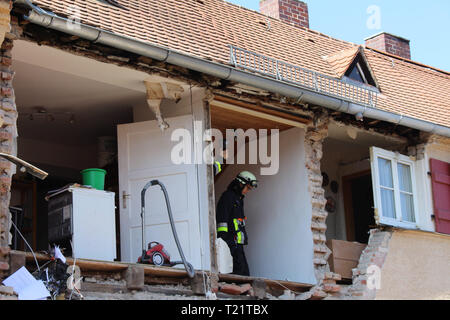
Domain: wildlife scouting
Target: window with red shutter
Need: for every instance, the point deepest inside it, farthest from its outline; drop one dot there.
(440, 177)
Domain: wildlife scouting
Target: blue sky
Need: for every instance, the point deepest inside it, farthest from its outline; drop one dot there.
(425, 23)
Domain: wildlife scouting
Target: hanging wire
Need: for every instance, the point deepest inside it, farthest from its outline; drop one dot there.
(28, 245)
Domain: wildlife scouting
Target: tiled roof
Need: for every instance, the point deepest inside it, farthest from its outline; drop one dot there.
(341, 61)
(205, 28)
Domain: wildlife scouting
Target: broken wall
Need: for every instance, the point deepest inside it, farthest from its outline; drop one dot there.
(8, 131)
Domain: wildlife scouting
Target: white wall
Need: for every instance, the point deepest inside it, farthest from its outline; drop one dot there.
(279, 215)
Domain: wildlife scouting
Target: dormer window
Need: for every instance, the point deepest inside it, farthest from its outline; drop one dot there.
(358, 71)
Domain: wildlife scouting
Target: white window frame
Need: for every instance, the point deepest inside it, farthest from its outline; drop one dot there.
(395, 158)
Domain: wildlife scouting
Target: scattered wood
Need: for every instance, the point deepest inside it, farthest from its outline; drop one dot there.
(234, 289)
(271, 284)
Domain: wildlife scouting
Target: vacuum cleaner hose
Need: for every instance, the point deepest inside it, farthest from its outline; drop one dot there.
(189, 268)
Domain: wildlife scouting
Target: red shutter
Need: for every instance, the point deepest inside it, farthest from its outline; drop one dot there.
(440, 176)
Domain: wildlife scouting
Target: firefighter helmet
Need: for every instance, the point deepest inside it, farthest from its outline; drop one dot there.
(247, 178)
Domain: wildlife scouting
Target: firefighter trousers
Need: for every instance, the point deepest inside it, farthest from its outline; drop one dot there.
(240, 265)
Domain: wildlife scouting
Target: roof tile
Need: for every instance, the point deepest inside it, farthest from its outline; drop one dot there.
(206, 28)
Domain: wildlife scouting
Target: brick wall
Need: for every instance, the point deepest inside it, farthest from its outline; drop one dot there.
(326, 280)
(373, 256)
(8, 131)
(391, 44)
(291, 11)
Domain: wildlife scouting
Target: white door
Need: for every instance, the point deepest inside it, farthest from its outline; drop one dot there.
(145, 155)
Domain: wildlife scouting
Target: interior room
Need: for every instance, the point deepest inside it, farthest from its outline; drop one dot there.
(278, 211)
(347, 180)
(69, 111)
(66, 123)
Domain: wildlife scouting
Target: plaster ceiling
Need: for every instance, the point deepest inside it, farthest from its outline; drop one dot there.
(100, 95)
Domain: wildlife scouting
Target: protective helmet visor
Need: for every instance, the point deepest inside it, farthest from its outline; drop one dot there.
(253, 183)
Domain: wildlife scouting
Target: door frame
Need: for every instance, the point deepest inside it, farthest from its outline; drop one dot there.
(348, 202)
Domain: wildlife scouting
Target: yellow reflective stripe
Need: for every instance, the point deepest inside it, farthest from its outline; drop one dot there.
(239, 237)
(219, 166)
(239, 233)
(222, 229)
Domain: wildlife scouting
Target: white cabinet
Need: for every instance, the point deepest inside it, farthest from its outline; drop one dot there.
(87, 217)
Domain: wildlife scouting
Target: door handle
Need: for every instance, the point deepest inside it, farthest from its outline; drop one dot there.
(125, 196)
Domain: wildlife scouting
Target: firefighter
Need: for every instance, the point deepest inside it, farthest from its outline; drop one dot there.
(231, 219)
(217, 166)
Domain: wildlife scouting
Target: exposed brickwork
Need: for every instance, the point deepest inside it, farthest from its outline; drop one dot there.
(291, 11)
(5, 8)
(6, 293)
(391, 44)
(326, 280)
(373, 255)
(313, 149)
(8, 131)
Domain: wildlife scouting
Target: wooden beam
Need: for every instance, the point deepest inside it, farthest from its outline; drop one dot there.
(106, 266)
(273, 284)
(258, 108)
(257, 114)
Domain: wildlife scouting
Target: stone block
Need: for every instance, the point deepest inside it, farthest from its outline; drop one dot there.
(134, 277)
(198, 284)
(259, 288)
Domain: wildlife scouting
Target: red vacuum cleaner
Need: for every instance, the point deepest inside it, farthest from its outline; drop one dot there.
(155, 253)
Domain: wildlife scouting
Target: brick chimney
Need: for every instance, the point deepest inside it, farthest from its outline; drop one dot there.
(390, 43)
(294, 12)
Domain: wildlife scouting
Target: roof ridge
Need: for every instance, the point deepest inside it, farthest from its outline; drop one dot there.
(409, 62)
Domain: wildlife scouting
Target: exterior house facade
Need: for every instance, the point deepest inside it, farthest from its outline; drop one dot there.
(353, 200)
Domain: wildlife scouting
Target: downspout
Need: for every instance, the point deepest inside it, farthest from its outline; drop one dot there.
(52, 21)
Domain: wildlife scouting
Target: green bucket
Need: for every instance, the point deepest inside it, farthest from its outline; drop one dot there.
(94, 178)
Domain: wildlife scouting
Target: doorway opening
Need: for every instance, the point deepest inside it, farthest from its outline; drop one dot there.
(278, 211)
(358, 204)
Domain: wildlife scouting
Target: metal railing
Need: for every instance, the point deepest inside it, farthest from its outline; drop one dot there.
(302, 77)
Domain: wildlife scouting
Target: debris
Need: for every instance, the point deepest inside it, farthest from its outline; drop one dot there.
(55, 277)
(59, 255)
(287, 295)
(235, 289)
(6, 290)
(27, 287)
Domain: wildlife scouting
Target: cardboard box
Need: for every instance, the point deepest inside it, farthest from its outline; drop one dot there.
(344, 257)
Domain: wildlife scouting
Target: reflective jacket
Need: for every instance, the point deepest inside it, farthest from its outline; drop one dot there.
(230, 216)
(217, 166)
